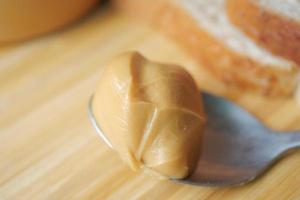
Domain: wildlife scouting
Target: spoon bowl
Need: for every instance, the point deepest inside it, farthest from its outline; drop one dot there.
(236, 149)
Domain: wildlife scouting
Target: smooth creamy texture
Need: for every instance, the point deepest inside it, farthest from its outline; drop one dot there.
(151, 113)
(288, 8)
(212, 17)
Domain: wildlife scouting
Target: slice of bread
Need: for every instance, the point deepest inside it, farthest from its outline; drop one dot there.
(203, 29)
(273, 24)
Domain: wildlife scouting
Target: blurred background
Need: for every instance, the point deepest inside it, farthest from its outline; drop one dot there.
(52, 53)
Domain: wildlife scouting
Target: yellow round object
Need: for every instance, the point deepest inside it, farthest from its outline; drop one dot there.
(23, 19)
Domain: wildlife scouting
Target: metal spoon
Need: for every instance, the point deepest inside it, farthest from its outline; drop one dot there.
(236, 148)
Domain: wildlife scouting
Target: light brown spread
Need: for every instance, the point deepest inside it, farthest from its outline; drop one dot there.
(152, 114)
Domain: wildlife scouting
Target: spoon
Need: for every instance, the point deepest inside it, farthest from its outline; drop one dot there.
(236, 149)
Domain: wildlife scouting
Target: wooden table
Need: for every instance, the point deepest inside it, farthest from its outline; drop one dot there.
(48, 148)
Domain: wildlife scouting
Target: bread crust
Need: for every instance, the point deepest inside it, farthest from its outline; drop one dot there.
(278, 34)
(235, 70)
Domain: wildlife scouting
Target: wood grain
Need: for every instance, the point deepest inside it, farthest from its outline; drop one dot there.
(48, 148)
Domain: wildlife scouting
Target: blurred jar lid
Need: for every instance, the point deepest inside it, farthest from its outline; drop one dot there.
(23, 19)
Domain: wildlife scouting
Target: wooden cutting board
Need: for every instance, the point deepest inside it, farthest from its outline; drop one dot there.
(48, 148)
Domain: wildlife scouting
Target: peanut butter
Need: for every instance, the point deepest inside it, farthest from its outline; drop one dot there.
(152, 114)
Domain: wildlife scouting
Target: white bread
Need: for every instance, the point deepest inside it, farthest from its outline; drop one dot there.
(287, 8)
(151, 113)
(24, 19)
(273, 24)
(203, 29)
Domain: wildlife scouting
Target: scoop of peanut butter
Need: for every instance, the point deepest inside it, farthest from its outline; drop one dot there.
(152, 114)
